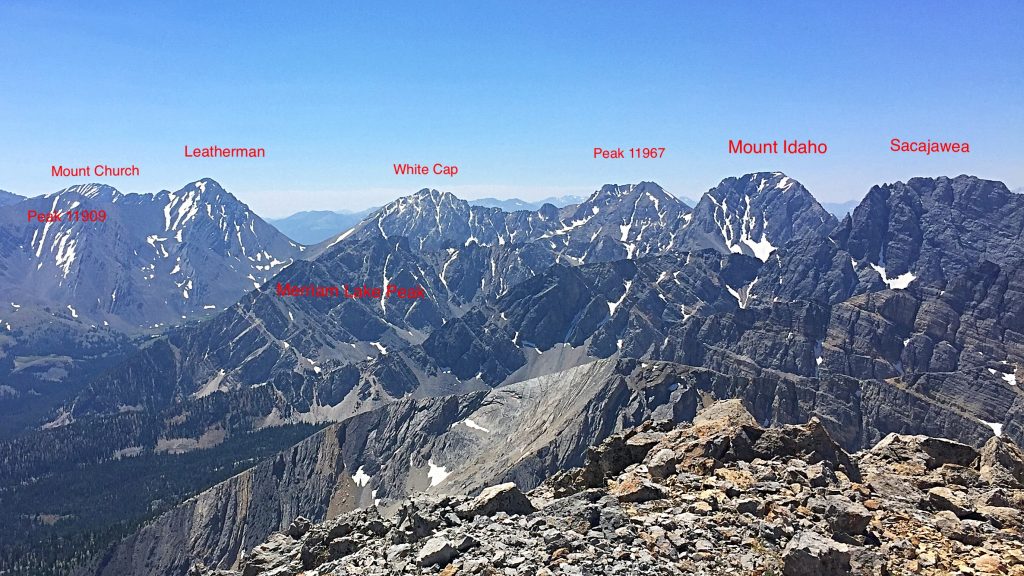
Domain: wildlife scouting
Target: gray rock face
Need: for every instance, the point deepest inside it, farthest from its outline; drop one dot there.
(912, 226)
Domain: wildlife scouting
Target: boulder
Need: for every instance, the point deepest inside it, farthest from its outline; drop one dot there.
(847, 517)
(1002, 463)
(493, 499)
(641, 443)
(298, 528)
(722, 415)
(436, 551)
(931, 452)
(340, 547)
(633, 488)
(811, 554)
(821, 475)
(946, 522)
(1000, 516)
(942, 498)
(810, 442)
(662, 463)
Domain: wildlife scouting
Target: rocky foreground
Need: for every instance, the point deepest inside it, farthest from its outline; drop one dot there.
(719, 496)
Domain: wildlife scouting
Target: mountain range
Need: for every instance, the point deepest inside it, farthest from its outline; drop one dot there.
(153, 259)
(514, 204)
(541, 331)
(314, 226)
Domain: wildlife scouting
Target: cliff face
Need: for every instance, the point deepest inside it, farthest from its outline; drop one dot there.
(437, 445)
(233, 515)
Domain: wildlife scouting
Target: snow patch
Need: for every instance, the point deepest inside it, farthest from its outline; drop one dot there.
(437, 474)
(996, 427)
(898, 283)
(742, 296)
(762, 248)
(344, 235)
(62, 419)
(361, 478)
(613, 305)
(471, 424)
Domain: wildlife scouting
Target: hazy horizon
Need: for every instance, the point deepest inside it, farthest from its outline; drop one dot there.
(471, 194)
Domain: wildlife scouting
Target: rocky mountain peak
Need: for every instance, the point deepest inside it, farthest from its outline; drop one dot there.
(95, 191)
(205, 190)
(628, 195)
(434, 196)
(755, 214)
(620, 221)
(426, 201)
(756, 184)
(905, 229)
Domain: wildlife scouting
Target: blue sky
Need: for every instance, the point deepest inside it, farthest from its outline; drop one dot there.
(516, 94)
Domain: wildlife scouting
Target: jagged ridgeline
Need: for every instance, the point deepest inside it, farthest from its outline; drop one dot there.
(544, 330)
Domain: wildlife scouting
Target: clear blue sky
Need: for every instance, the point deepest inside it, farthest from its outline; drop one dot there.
(516, 94)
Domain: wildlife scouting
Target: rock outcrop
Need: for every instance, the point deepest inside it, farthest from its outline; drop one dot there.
(719, 496)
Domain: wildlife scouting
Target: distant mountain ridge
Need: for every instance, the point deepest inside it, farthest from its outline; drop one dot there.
(313, 226)
(9, 198)
(840, 209)
(513, 204)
